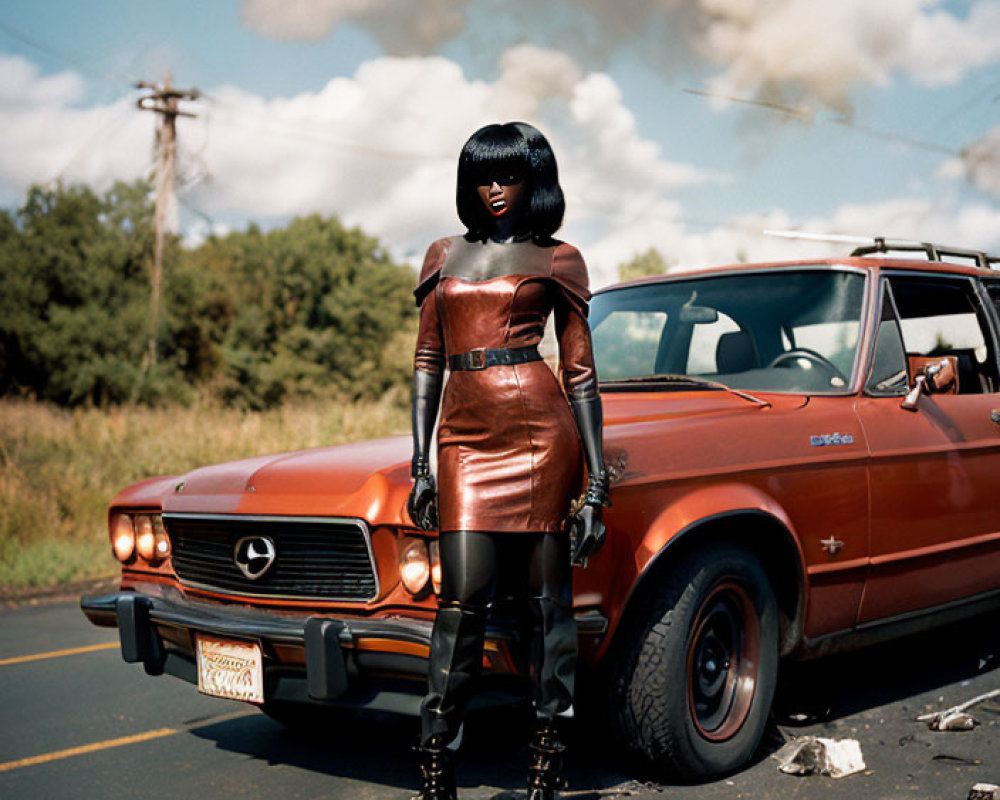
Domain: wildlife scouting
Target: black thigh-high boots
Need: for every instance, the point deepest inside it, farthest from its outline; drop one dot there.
(455, 661)
(553, 655)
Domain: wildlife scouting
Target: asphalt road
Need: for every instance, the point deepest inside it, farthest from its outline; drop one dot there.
(80, 723)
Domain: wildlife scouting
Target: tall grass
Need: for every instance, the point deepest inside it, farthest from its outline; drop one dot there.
(59, 469)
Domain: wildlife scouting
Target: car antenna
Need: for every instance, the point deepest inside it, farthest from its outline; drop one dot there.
(836, 238)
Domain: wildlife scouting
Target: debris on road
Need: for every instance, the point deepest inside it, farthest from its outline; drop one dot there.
(959, 721)
(954, 718)
(984, 791)
(968, 762)
(810, 755)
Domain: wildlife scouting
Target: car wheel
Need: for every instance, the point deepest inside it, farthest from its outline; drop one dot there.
(692, 686)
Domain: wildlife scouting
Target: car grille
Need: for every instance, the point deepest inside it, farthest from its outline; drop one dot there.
(316, 557)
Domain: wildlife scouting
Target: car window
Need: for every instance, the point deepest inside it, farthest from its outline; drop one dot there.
(942, 317)
(835, 341)
(788, 330)
(704, 348)
(628, 342)
(888, 375)
(993, 289)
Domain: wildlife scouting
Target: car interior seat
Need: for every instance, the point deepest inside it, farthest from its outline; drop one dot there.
(735, 352)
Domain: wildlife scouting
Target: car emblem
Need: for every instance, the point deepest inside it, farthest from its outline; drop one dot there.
(833, 545)
(254, 555)
(824, 439)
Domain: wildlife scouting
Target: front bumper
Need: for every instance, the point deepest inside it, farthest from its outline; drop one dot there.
(379, 664)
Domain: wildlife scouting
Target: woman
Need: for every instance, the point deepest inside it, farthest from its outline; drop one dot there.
(510, 446)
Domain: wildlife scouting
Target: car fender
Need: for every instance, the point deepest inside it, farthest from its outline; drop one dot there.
(712, 511)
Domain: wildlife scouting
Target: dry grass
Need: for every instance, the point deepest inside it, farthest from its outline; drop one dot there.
(59, 469)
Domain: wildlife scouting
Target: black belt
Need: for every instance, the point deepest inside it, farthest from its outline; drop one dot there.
(483, 357)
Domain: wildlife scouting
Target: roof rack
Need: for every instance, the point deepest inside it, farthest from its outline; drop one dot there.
(934, 252)
(879, 244)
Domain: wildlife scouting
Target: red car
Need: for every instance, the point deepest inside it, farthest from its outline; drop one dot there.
(804, 459)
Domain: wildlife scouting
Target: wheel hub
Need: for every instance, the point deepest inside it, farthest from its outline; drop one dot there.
(723, 662)
(712, 664)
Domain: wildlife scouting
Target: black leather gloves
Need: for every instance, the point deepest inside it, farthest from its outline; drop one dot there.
(422, 503)
(586, 522)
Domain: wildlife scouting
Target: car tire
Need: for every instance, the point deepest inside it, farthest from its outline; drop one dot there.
(713, 623)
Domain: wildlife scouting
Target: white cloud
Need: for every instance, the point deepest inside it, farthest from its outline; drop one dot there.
(379, 148)
(806, 52)
(21, 85)
(402, 27)
(618, 187)
(790, 52)
(427, 107)
(44, 136)
(941, 48)
(741, 238)
(980, 163)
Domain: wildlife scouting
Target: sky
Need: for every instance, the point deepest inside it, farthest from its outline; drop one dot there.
(691, 126)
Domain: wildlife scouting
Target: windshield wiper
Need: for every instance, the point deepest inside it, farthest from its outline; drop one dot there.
(666, 377)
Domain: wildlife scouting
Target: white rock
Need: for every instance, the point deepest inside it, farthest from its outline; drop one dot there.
(810, 755)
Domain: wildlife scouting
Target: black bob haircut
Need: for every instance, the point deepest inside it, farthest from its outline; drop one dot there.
(513, 149)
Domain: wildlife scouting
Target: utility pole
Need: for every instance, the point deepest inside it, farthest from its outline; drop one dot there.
(163, 99)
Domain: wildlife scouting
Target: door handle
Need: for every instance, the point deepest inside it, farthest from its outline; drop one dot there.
(995, 416)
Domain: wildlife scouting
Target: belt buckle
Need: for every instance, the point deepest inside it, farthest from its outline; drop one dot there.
(477, 358)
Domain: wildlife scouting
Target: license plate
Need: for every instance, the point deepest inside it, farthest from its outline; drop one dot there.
(230, 669)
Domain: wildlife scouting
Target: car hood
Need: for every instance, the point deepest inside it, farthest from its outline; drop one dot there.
(358, 479)
(371, 479)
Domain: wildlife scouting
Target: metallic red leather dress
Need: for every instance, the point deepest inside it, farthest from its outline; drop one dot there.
(509, 450)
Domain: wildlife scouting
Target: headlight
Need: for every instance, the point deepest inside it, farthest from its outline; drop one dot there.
(122, 537)
(140, 535)
(145, 540)
(414, 566)
(161, 540)
(435, 567)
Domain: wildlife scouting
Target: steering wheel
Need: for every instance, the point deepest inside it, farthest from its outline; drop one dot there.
(789, 357)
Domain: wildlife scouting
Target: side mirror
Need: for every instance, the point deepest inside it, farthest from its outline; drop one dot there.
(935, 378)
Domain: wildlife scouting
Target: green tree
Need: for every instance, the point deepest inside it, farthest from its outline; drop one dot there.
(251, 317)
(301, 310)
(74, 295)
(644, 264)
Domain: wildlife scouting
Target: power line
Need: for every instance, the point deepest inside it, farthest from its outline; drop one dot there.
(312, 137)
(114, 120)
(968, 105)
(900, 138)
(60, 55)
(204, 215)
(809, 115)
(804, 113)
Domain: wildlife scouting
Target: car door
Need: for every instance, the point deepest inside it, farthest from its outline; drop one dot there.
(934, 470)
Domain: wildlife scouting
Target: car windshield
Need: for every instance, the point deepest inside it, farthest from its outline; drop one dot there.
(784, 330)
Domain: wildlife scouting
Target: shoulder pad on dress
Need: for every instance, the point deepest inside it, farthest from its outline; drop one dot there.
(570, 272)
(431, 269)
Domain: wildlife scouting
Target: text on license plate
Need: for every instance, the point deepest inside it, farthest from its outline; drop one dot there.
(230, 669)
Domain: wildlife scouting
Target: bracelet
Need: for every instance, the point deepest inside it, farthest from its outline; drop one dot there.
(597, 490)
